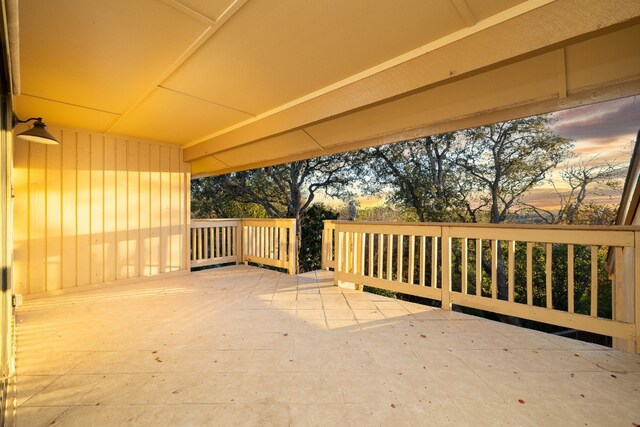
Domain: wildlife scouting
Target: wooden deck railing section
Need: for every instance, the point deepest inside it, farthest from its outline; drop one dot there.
(269, 242)
(549, 274)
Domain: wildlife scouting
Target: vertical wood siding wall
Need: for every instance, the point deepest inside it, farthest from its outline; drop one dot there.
(97, 209)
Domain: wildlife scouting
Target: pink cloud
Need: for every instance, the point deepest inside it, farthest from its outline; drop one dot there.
(607, 121)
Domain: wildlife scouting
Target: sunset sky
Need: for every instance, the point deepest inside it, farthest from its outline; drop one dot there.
(603, 132)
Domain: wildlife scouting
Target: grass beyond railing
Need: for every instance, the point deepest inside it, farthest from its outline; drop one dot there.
(551, 274)
(269, 242)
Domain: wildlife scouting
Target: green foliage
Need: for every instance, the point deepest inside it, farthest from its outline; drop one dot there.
(559, 275)
(419, 175)
(213, 197)
(382, 292)
(309, 257)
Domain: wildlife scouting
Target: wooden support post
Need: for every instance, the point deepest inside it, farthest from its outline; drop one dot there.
(293, 245)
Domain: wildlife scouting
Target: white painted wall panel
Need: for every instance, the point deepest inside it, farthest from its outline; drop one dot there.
(97, 209)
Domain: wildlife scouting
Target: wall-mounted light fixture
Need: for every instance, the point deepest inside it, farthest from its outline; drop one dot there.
(38, 133)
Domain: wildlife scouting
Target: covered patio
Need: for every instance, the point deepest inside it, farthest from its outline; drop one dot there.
(143, 96)
(242, 345)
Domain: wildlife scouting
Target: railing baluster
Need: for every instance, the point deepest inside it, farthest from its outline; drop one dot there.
(361, 243)
(529, 273)
(423, 260)
(616, 288)
(354, 252)
(206, 243)
(389, 257)
(463, 260)
(218, 233)
(339, 253)
(212, 253)
(446, 269)
(193, 244)
(224, 241)
(594, 281)
(232, 241)
(434, 262)
(348, 256)
(494, 269)
(479, 267)
(512, 270)
(200, 243)
(380, 252)
(275, 243)
(255, 241)
(570, 279)
(399, 261)
(549, 275)
(370, 254)
(412, 258)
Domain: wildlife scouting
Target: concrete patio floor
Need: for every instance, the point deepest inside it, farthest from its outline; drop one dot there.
(247, 346)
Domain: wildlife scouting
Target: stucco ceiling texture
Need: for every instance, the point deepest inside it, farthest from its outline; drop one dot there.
(248, 83)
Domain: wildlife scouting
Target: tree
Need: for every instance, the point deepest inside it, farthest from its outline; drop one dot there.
(419, 174)
(581, 178)
(282, 191)
(505, 160)
(212, 197)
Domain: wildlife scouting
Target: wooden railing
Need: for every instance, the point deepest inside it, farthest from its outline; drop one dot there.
(551, 274)
(328, 248)
(269, 242)
(215, 241)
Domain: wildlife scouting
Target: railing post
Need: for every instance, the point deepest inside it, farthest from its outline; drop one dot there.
(337, 268)
(625, 290)
(245, 241)
(239, 250)
(323, 255)
(293, 245)
(446, 268)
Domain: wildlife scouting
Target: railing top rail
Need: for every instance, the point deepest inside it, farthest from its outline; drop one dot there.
(269, 222)
(503, 225)
(214, 219)
(239, 219)
(213, 224)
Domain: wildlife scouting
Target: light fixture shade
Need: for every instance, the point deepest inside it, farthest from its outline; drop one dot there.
(38, 133)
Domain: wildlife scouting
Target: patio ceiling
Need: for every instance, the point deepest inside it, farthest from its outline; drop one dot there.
(247, 83)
